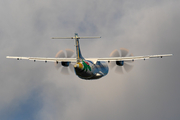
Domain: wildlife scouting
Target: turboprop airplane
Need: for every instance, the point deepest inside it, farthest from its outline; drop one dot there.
(91, 68)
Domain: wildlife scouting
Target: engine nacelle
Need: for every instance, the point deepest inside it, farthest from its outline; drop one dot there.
(65, 64)
(120, 63)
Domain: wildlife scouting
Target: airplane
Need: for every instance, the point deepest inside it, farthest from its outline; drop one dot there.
(91, 68)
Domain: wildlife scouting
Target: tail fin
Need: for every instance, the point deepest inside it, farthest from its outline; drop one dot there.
(78, 51)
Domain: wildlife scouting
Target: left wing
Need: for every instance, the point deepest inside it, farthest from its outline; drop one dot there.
(131, 58)
(44, 59)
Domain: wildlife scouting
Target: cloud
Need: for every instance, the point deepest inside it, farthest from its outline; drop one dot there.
(149, 91)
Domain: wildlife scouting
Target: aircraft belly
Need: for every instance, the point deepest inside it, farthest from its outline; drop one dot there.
(83, 74)
(96, 71)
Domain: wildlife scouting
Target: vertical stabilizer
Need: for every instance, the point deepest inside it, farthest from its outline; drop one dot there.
(78, 51)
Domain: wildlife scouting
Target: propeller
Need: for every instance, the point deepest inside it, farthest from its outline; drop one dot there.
(65, 67)
(121, 66)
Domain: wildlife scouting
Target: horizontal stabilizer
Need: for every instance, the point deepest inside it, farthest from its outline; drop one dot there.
(89, 37)
(63, 38)
(77, 37)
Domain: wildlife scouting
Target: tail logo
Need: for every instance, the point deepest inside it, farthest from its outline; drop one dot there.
(86, 66)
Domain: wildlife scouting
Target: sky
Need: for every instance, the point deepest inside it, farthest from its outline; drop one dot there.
(38, 91)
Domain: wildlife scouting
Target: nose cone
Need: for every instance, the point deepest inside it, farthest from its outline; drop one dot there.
(79, 66)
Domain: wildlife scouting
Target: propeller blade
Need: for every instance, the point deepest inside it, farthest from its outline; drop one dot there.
(127, 67)
(112, 64)
(119, 70)
(131, 55)
(71, 67)
(69, 53)
(60, 54)
(115, 53)
(124, 52)
(58, 65)
(65, 71)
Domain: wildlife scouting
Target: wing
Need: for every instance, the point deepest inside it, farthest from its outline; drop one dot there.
(44, 59)
(131, 58)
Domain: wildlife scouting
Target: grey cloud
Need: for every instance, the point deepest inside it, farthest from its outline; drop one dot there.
(149, 91)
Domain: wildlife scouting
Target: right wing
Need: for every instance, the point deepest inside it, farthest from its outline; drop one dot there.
(126, 59)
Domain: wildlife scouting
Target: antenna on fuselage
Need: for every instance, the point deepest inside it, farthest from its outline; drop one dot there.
(78, 51)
